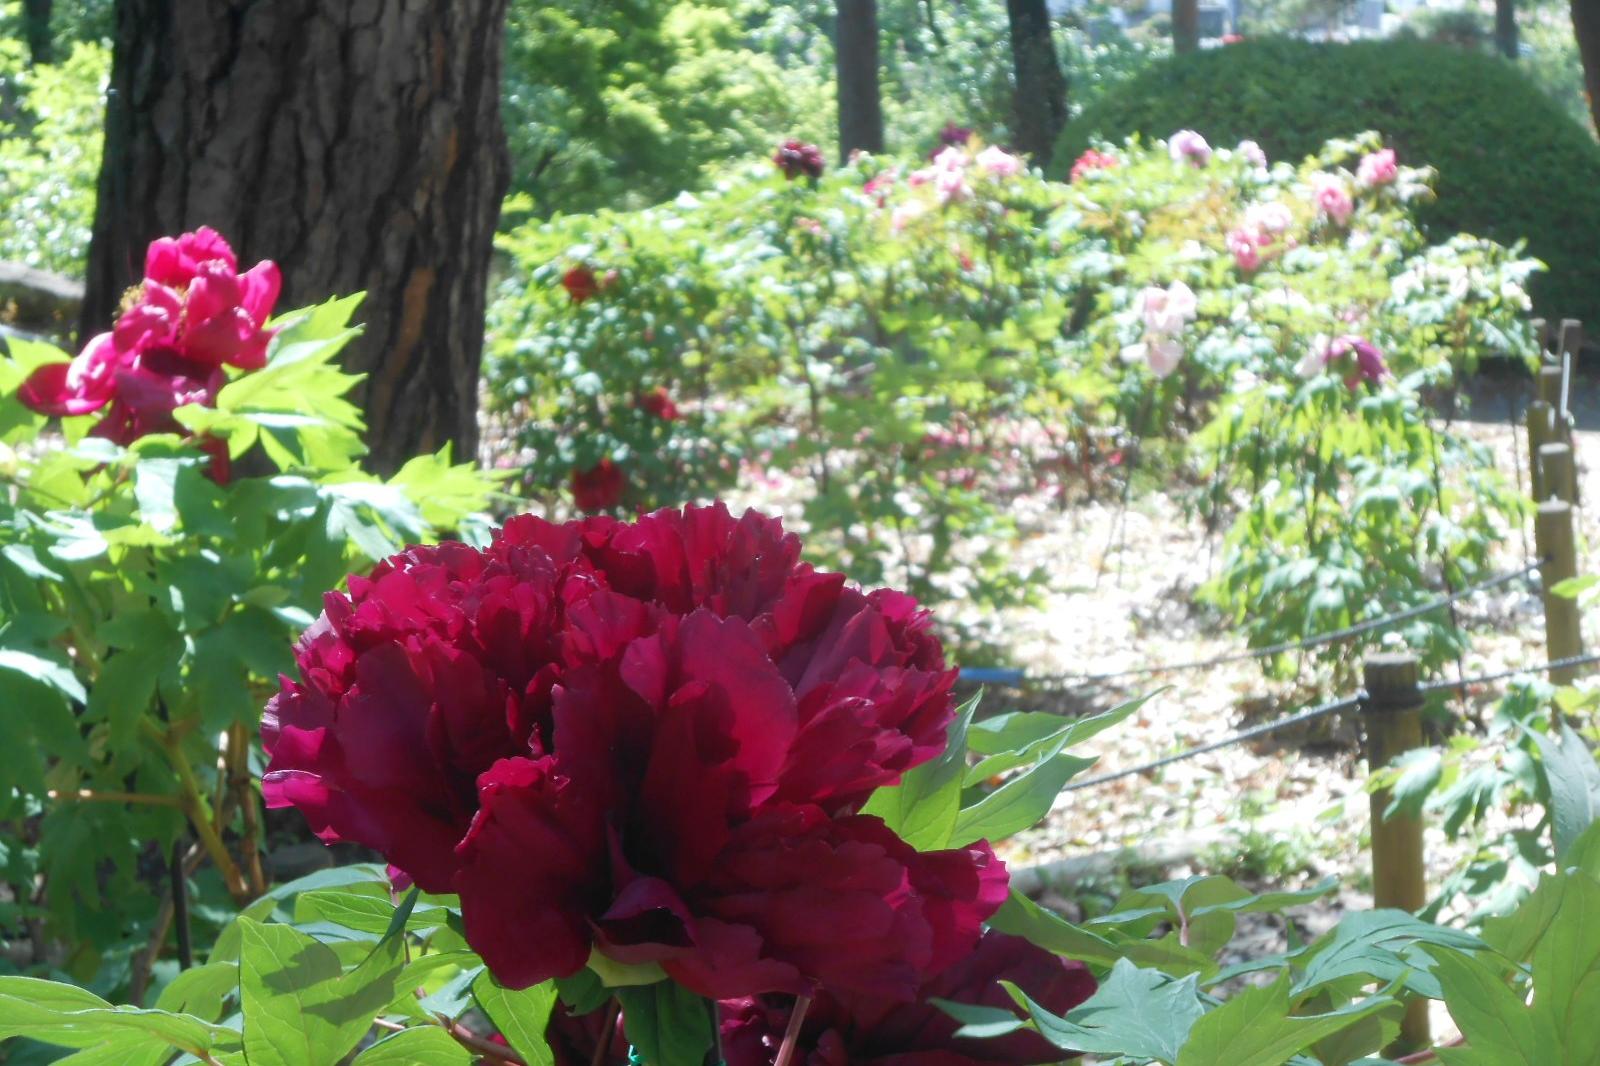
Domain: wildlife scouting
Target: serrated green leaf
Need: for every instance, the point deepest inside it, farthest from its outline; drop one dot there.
(1139, 1013)
(300, 1007)
(1574, 785)
(521, 1015)
(1020, 916)
(1255, 1028)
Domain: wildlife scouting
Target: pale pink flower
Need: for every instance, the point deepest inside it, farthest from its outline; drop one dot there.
(1246, 249)
(951, 158)
(1187, 146)
(905, 214)
(1252, 153)
(1333, 199)
(951, 185)
(1272, 218)
(1379, 168)
(1161, 354)
(1167, 311)
(999, 163)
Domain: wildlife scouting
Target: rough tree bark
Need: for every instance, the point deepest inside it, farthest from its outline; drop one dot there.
(36, 28)
(855, 55)
(1505, 27)
(1586, 27)
(1040, 102)
(1185, 25)
(356, 142)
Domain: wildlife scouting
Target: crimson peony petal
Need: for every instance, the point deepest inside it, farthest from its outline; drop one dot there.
(531, 867)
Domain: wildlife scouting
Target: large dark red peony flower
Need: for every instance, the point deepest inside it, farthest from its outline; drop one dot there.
(799, 160)
(192, 314)
(844, 1029)
(598, 488)
(646, 738)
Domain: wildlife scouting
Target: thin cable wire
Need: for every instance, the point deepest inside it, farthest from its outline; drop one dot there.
(1484, 679)
(1076, 680)
(1310, 714)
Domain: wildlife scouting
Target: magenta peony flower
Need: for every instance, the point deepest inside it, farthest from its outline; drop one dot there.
(1245, 247)
(798, 159)
(1378, 168)
(842, 1029)
(1090, 161)
(598, 488)
(192, 314)
(1252, 153)
(1187, 146)
(648, 739)
(1362, 359)
(952, 136)
(1333, 199)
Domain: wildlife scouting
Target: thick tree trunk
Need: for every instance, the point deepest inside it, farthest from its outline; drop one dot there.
(36, 28)
(1505, 27)
(856, 65)
(1040, 102)
(1586, 27)
(1185, 25)
(356, 142)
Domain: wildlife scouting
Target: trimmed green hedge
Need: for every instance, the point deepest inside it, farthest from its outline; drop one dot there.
(1512, 166)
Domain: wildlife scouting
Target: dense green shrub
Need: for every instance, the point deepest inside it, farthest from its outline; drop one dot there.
(1511, 165)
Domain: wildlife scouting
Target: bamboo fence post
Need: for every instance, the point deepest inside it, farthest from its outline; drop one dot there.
(1557, 546)
(1570, 339)
(1393, 721)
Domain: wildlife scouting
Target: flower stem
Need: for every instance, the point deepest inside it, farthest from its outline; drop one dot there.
(602, 1046)
(193, 806)
(791, 1035)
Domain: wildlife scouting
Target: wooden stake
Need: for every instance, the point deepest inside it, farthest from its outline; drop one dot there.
(1540, 420)
(1571, 339)
(1393, 719)
(1541, 335)
(1555, 467)
(1563, 630)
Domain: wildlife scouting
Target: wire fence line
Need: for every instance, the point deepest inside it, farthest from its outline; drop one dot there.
(1321, 710)
(1308, 715)
(998, 676)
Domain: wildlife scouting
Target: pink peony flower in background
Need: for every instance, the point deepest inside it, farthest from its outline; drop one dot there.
(1362, 359)
(797, 159)
(1090, 161)
(905, 214)
(999, 163)
(1187, 146)
(1165, 313)
(1378, 168)
(1252, 153)
(878, 186)
(1244, 247)
(1272, 218)
(951, 186)
(1333, 199)
(1167, 310)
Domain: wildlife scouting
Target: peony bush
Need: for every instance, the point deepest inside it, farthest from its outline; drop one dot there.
(175, 500)
(917, 345)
